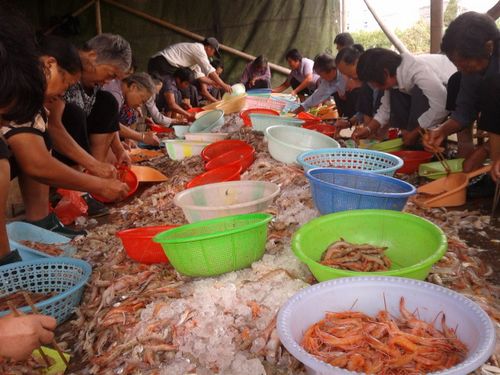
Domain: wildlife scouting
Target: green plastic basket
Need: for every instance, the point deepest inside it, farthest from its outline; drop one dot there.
(395, 144)
(436, 170)
(213, 247)
(414, 244)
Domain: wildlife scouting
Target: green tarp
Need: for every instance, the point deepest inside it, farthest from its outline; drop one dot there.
(255, 27)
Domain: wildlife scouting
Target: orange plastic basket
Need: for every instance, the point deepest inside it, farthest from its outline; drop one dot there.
(220, 174)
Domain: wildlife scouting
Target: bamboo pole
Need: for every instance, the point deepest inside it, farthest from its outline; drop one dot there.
(98, 22)
(436, 25)
(388, 32)
(190, 34)
(74, 14)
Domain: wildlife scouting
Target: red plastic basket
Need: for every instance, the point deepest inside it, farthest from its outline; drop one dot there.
(325, 129)
(127, 176)
(139, 245)
(308, 117)
(195, 110)
(412, 160)
(264, 111)
(160, 129)
(243, 157)
(220, 174)
(218, 148)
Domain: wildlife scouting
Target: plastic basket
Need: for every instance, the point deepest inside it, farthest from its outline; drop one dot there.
(216, 246)
(388, 146)
(66, 276)
(243, 157)
(220, 174)
(261, 122)
(20, 231)
(436, 169)
(372, 294)
(383, 228)
(226, 199)
(336, 190)
(320, 127)
(351, 158)
(206, 137)
(412, 160)
(128, 177)
(221, 147)
(260, 102)
(139, 245)
(245, 115)
(285, 143)
(178, 150)
(208, 121)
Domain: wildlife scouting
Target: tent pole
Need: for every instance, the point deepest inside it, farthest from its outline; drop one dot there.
(98, 22)
(436, 25)
(190, 34)
(388, 32)
(74, 14)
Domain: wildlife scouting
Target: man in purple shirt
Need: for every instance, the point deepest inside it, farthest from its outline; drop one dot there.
(302, 78)
(257, 74)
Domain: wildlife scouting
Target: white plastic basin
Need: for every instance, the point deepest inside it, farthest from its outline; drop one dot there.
(367, 295)
(285, 143)
(225, 199)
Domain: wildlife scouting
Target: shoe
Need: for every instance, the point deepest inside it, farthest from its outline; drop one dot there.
(95, 208)
(52, 223)
(482, 188)
(12, 257)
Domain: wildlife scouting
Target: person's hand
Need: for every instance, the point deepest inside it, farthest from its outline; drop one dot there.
(495, 170)
(298, 110)
(342, 123)
(227, 88)
(361, 132)
(124, 159)
(181, 121)
(151, 139)
(113, 190)
(19, 336)
(104, 170)
(433, 140)
(191, 117)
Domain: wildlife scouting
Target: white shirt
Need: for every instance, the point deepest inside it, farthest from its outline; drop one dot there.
(187, 55)
(430, 73)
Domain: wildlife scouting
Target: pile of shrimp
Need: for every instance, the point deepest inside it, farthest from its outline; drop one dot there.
(383, 345)
(354, 257)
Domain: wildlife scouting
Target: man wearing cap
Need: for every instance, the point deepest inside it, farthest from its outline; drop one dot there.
(188, 55)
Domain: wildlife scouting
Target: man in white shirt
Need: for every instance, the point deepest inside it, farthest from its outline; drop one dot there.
(188, 55)
(415, 91)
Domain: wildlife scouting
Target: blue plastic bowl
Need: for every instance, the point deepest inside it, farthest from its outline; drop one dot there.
(335, 190)
(351, 158)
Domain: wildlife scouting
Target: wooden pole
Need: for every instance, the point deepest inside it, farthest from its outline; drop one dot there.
(98, 22)
(436, 25)
(190, 34)
(74, 14)
(388, 32)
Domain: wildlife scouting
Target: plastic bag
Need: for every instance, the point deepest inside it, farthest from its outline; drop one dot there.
(71, 206)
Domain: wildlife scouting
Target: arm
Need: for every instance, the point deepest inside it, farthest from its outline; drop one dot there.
(322, 93)
(206, 94)
(245, 77)
(148, 138)
(37, 162)
(174, 107)
(67, 146)
(303, 84)
(122, 156)
(494, 11)
(282, 87)
(215, 77)
(495, 156)
(156, 115)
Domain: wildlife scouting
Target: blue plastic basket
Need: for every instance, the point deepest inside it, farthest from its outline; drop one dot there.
(66, 276)
(335, 190)
(351, 158)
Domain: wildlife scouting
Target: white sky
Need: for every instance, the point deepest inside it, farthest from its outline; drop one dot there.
(399, 13)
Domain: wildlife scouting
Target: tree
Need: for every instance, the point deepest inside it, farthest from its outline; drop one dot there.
(450, 12)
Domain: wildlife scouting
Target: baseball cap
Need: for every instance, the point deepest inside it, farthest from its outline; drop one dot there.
(214, 43)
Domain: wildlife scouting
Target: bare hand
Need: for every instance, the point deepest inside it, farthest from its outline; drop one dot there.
(19, 336)
(227, 88)
(151, 139)
(113, 190)
(104, 170)
(433, 139)
(342, 123)
(298, 110)
(181, 121)
(495, 171)
(361, 133)
(124, 159)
